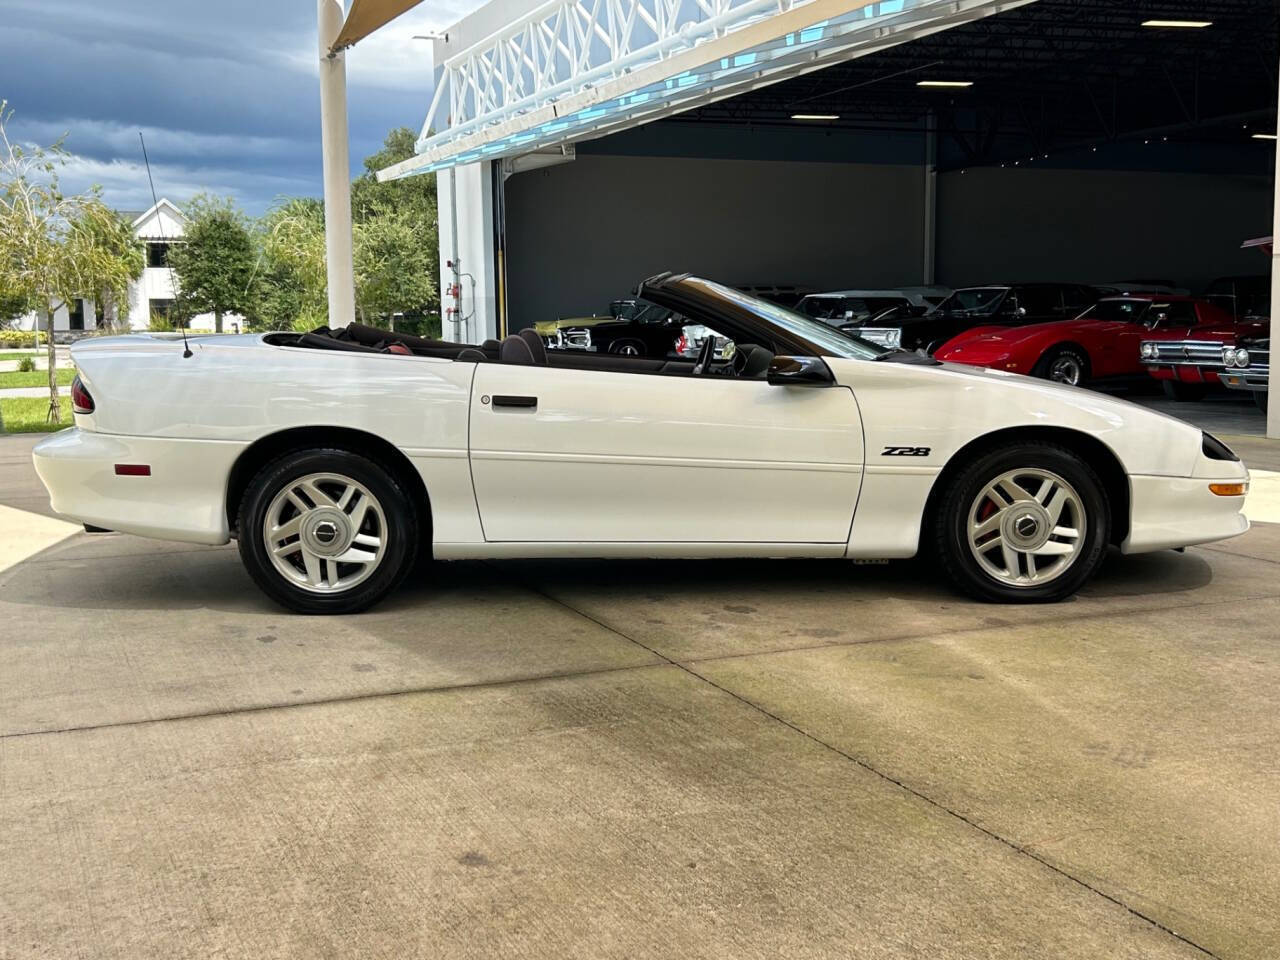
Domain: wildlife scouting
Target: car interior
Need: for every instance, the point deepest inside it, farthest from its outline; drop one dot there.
(749, 361)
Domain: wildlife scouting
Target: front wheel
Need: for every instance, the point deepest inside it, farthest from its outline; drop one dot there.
(1068, 365)
(627, 348)
(327, 531)
(1027, 524)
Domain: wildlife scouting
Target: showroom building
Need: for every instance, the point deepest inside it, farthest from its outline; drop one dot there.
(581, 145)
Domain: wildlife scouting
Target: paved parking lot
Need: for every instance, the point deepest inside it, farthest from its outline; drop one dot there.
(677, 759)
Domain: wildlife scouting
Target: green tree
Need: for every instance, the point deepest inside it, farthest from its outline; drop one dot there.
(112, 258)
(394, 266)
(395, 236)
(292, 283)
(50, 243)
(216, 262)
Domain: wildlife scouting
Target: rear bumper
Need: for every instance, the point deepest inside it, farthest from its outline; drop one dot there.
(183, 499)
(1171, 512)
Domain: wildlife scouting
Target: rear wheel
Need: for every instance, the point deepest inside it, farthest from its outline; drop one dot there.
(1069, 365)
(1183, 392)
(327, 531)
(1027, 524)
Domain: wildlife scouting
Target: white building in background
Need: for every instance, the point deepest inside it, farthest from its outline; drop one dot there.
(150, 295)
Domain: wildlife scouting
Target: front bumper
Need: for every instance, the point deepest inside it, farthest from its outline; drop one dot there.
(1253, 381)
(1183, 372)
(1171, 512)
(183, 499)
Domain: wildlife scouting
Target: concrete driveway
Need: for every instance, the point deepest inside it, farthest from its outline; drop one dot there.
(735, 759)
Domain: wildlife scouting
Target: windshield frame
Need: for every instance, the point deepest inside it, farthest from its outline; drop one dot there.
(820, 338)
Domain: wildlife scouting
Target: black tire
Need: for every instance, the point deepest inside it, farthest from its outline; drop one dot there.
(400, 530)
(1061, 359)
(1260, 398)
(951, 517)
(1183, 392)
(629, 348)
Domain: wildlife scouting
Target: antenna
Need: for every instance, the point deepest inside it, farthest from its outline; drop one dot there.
(186, 347)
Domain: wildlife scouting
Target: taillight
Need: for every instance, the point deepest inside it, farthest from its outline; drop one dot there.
(81, 402)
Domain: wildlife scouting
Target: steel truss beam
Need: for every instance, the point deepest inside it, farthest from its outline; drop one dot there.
(576, 69)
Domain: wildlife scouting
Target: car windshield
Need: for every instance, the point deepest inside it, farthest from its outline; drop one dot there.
(833, 341)
(1125, 311)
(840, 309)
(975, 300)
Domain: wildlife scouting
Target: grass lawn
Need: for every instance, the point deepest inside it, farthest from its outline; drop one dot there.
(36, 378)
(26, 414)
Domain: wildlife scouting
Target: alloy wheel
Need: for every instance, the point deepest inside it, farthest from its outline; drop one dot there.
(1026, 527)
(325, 532)
(1066, 370)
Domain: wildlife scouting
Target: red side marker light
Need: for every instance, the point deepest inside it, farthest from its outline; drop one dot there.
(133, 469)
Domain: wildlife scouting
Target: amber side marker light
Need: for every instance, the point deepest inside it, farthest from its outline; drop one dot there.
(1229, 489)
(133, 470)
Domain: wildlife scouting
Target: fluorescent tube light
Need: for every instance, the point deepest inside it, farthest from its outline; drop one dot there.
(815, 116)
(1178, 24)
(945, 83)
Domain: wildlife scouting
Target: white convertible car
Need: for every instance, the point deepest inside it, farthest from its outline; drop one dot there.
(335, 458)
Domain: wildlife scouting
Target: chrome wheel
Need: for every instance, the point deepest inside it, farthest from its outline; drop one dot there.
(1026, 527)
(325, 532)
(1066, 369)
(628, 349)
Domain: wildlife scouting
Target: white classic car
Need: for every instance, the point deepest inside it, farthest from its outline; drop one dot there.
(336, 458)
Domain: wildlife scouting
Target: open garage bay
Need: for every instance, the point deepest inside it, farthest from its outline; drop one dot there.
(735, 759)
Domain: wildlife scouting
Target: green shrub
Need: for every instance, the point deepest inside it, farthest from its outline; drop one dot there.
(27, 365)
(160, 324)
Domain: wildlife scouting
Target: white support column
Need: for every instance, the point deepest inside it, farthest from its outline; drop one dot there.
(337, 167)
(1273, 408)
(465, 200)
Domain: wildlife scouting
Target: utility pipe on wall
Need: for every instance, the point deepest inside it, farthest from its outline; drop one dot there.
(337, 166)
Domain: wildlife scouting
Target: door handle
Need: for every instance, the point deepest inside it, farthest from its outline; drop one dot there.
(527, 403)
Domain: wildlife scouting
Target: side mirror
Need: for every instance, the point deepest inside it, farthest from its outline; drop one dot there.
(799, 372)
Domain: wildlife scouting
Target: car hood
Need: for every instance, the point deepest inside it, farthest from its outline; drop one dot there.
(1224, 332)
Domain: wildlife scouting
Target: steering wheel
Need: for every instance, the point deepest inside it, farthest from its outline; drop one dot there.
(705, 356)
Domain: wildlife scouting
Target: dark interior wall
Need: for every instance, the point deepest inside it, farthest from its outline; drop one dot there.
(1098, 226)
(583, 233)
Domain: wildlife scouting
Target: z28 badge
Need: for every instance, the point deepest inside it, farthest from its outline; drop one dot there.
(906, 451)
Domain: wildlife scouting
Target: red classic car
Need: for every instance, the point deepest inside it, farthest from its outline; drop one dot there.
(1102, 343)
(1187, 364)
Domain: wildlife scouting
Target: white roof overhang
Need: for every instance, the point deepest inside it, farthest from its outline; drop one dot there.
(520, 89)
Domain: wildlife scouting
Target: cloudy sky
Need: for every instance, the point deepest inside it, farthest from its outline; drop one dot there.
(225, 91)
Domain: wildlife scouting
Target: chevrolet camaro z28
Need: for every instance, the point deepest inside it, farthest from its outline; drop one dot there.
(337, 458)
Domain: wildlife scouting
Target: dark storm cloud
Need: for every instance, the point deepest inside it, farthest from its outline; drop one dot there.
(225, 92)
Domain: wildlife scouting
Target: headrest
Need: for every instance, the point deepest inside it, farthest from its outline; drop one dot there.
(758, 360)
(471, 355)
(399, 348)
(515, 350)
(536, 346)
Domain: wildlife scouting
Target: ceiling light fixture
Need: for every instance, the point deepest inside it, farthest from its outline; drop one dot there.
(945, 83)
(1264, 136)
(815, 116)
(1178, 24)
